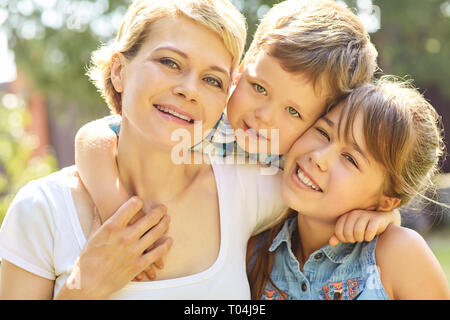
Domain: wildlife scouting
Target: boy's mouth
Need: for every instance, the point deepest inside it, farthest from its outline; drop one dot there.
(253, 133)
(170, 112)
(304, 180)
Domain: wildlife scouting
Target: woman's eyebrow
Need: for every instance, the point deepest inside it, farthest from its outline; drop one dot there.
(186, 56)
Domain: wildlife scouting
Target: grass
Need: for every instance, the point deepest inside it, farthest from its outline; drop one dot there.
(439, 242)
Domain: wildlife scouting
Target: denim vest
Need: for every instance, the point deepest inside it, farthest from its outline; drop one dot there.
(344, 272)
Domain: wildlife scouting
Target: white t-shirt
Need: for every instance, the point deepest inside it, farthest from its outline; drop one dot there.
(41, 233)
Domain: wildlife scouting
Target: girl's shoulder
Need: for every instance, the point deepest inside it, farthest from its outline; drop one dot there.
(408, 267)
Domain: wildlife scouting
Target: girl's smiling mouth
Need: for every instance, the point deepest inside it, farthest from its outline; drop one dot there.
(302, 179)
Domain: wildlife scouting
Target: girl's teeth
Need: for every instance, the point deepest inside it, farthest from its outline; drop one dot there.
(306, 180)
(174, 113)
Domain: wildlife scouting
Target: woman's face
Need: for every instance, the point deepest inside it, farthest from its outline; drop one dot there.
(327, 175)
(181, 74)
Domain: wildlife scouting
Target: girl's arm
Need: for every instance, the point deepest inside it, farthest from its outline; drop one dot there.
(408, 268)
(95, 158)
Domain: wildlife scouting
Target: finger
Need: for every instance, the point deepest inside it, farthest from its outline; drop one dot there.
(150, 272)
(334, 241)
(139, 277)
(360, 228)
(149, 221)
(339, 228)
(159, 264)
(161, 247)
(158, 231)
(349, 227)
(126, 212)
(371, 230)
(136, 217)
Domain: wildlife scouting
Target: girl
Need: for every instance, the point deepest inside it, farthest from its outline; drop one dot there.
(376, 150)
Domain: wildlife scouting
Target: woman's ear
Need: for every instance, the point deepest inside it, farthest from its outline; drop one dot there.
(117, 67)
(388, 203)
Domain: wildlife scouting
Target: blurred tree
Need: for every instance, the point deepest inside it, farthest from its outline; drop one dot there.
(52, 41)
(414, 41)
(17, 164)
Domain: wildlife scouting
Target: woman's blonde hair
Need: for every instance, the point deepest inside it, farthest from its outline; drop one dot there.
(402, 132)
(319, 38)
(219, 16)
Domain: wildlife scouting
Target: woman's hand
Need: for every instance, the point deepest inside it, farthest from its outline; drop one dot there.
(117, 251)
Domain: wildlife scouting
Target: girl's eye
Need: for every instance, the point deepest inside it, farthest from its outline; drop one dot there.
(170, 63)
(260, 89)
(351, 160)
(293, 112)
(323, 133)
(214, 82)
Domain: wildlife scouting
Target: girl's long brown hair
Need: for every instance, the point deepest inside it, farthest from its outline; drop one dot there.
(259, 274)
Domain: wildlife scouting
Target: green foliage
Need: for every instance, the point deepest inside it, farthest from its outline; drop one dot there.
(17, 164)
(413, 41)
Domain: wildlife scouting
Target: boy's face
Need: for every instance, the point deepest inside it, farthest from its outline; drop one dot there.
(267, 97)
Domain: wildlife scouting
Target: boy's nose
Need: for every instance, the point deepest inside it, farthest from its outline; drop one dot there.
(266, 115)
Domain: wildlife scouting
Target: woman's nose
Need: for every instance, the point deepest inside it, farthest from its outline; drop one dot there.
(187, 89)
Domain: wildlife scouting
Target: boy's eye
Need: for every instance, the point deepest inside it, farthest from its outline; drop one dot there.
(214, 82)
(260, 89)
(170, 63)
(351, 160)
(323, 133)
(293, 112)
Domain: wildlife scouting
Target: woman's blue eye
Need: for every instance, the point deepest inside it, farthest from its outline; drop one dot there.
(170, 63)
(323, 133)
(293, 112)
(260, 89)
(350, 159)
(214, 82)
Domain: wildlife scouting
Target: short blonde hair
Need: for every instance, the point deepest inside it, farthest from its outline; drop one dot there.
(219, 16)
(319, 38)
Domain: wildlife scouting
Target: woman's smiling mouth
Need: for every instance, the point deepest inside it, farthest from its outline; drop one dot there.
(169, 113)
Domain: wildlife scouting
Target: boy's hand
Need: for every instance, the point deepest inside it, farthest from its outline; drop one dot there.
(363, 225)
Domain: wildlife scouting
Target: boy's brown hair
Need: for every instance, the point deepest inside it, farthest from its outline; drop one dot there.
(319, 38)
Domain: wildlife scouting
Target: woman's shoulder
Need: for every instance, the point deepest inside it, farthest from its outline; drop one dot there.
(408, 266)
(45, 194)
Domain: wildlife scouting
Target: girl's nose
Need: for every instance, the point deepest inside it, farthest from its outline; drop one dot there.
(266, 114)
(322, 157)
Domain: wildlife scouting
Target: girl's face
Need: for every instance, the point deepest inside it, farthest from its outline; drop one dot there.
(181, 74)
(327, 175)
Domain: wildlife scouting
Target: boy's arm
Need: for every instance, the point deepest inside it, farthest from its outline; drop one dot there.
(95, 158)
(409, 269)
(363, 225)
